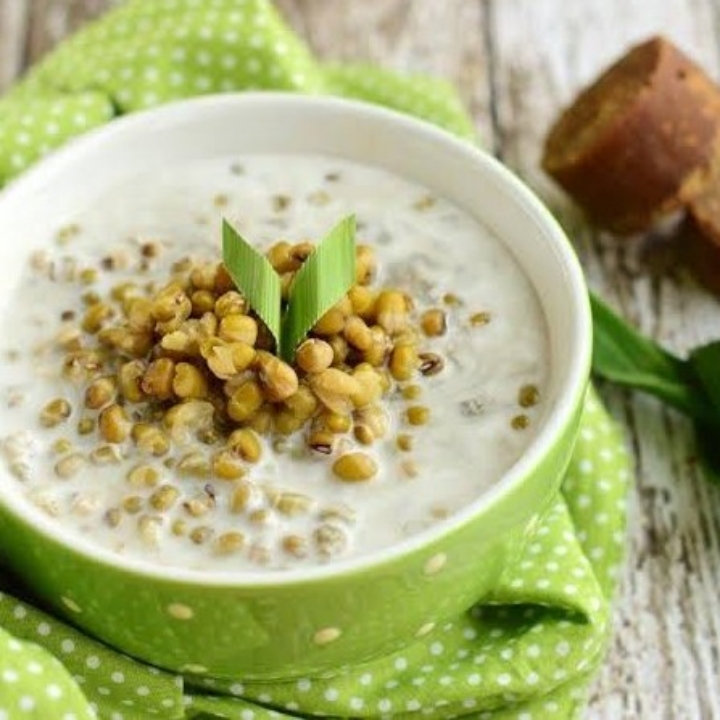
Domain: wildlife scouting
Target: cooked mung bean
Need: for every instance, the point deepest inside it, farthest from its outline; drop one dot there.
(55, 412)
(403, 361)
(114, 424)
(434, 322)
(391, 309)
(69, 465)
(479, 319)
(181, 391)
(430, 363)
(279, 380)
(241, 497)
(164, 497)
(99, 393)
(330, 540)
(314, 355)
(106, 455)
(417, 414)
(245, 443)
(227, 466)
(295, 545)
(229, 542)
(150, 439)
(355, 467)
(292, 504)
(528, 396)
(404, 442)
(189, 382)
(143, 476)
(201, 535)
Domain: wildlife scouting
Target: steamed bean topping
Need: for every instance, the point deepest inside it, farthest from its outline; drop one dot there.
(528, 396)
(355, 467)
(434, 322)
(479, 319)
(181, 364)
(55, 412)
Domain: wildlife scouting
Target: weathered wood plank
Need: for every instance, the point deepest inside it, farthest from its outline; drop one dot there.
(444, 39)
(661, 664)
(52, 20)
(13, 32)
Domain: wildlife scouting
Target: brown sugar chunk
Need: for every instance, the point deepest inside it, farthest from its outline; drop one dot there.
(638, 142)
(700, 235)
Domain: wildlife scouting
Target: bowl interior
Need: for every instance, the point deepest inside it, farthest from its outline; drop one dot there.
(62, 186)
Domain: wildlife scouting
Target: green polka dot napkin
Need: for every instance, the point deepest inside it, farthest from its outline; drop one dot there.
(528, 651)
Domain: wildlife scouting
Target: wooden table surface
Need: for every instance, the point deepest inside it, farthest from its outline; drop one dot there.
(516, 63)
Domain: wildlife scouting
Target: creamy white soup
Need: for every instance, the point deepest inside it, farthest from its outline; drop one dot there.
(447, 435)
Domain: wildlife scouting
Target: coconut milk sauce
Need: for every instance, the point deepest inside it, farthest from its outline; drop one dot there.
(425, 246)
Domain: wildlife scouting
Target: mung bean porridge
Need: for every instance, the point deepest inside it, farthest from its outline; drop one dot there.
(144, 411)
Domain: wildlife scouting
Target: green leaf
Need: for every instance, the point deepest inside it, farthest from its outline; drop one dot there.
(708, 442)
(705, 363)
(325, 276)
(692, 386)
(255, 278)
(623, 356)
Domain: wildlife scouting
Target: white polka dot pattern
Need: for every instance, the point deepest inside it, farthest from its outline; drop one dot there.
(145, 54)
(531, 643)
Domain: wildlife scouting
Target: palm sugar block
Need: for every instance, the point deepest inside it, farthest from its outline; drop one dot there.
(639, 142)
(700, 234)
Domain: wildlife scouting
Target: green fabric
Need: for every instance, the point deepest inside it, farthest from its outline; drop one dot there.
(148, 53)
(527, 652)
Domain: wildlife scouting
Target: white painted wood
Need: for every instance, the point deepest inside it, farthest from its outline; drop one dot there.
(52, 20)
(441, 38)
(516, 63)
(663, 661)
(13, 30)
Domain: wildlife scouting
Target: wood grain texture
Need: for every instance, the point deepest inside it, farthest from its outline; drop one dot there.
(663, 662)
(52, 20)
(516, 63)
(445, 39)
(14, 17)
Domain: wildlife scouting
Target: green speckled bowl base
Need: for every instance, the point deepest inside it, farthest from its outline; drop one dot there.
(526, 653)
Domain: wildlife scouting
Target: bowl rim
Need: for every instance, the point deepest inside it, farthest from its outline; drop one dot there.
(572, 388)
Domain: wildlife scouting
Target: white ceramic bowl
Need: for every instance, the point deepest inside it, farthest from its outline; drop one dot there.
(306, 620)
